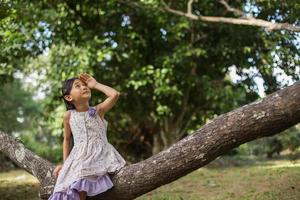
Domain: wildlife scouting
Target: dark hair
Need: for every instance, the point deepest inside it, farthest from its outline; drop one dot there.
(66, 89)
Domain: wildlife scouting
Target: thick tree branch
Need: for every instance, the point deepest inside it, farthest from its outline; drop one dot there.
(268, 116)
(28, 160)
(250, 21)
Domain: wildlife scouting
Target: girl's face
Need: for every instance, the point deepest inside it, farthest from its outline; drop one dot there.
(80, 91)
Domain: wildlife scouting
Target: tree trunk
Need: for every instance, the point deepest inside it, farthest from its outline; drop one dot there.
(156, 144)
(268, 116)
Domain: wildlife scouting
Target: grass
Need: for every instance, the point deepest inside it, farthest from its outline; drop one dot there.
(261, 180)
(17, 185)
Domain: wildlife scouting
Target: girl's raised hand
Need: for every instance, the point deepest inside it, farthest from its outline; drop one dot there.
(89, 80)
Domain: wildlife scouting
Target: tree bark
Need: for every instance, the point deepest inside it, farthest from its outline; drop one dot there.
(265, 117)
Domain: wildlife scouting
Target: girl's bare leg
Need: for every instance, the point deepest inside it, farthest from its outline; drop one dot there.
(82, 195)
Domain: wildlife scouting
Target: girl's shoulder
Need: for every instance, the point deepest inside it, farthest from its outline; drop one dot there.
(67, 115)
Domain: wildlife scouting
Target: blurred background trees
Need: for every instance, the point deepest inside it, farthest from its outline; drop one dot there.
(174, 74)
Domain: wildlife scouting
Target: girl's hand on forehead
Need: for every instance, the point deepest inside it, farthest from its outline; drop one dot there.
(88, 80)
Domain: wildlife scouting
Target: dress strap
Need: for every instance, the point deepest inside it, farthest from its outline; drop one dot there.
(71, 112)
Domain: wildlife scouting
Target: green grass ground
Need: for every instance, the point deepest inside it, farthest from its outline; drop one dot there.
(263, 180)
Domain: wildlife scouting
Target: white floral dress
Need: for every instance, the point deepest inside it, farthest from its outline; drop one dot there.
(92, 155)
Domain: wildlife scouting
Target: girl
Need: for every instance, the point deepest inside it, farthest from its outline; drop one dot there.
(86, 167)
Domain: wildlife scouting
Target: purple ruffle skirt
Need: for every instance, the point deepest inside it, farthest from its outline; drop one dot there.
(92, 185)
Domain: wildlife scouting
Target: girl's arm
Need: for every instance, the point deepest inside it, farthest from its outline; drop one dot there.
(109, 102)
(67, 135)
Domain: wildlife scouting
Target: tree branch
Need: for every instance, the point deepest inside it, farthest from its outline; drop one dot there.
(247, 20)
(190, 6)
(234, 10)
(29, 161)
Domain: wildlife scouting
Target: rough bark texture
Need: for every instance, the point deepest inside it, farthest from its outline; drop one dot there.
(268, 116)
(28, 160)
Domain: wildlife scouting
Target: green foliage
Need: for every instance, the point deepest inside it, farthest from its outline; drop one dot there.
(162, 64)
(42, 148)
(18, 109)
